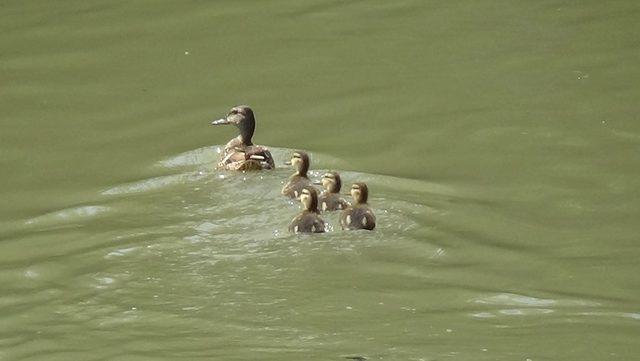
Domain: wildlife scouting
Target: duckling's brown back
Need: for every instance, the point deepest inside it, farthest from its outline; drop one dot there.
(358, 217)
(295, 185)
(307, 222)
(331, 202)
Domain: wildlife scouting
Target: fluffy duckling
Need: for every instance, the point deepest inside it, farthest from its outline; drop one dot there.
(308, 221)
(299, 179)
(240, 153)
(330, 199)
(359, 215)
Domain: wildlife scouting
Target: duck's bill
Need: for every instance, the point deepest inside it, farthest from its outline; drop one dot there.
(317, 183)
(221, 121)
(288, 162)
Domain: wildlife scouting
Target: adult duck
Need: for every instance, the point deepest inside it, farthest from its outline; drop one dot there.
(240, 153)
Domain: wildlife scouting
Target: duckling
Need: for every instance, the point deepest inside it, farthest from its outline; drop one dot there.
(359, 215)
(330, 199)
(299, 179)
(308, 221)
(240, 153)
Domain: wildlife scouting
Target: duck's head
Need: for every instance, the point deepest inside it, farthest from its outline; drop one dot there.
(242, 117)
(331, 182)
(360, 192)
(309, 199)
(300, 161)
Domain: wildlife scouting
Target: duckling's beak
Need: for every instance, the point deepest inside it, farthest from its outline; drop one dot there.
(288, 162)
(317, 183)
(222, 121)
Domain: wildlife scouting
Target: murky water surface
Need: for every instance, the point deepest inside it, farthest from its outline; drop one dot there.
(499, 141)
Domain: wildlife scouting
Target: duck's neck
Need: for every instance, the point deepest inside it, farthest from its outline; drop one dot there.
(313, 207)
(302, 169)
(245, 137)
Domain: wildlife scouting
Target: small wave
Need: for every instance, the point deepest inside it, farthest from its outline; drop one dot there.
(69, 215)
(509, 299)
(153, 183)
(193, 157)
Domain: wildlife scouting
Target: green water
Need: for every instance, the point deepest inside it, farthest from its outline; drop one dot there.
(499, 140)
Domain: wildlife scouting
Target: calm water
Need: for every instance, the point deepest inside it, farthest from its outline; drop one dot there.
(499, 139)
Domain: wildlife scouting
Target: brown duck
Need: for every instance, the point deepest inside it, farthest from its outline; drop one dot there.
(298, 180)
(330, 199)
(308, 221)
(240, 153)
(358, 215)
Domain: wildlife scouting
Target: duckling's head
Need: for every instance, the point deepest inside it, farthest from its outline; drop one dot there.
(331, 182)
(300, 161)
(309, 199)
(360, 192)
(242, 117)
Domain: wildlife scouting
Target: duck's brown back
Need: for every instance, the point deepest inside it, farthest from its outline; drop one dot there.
(237, 156)
(331, 201)
(294, 186)
(358, 217)
(307, 222)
